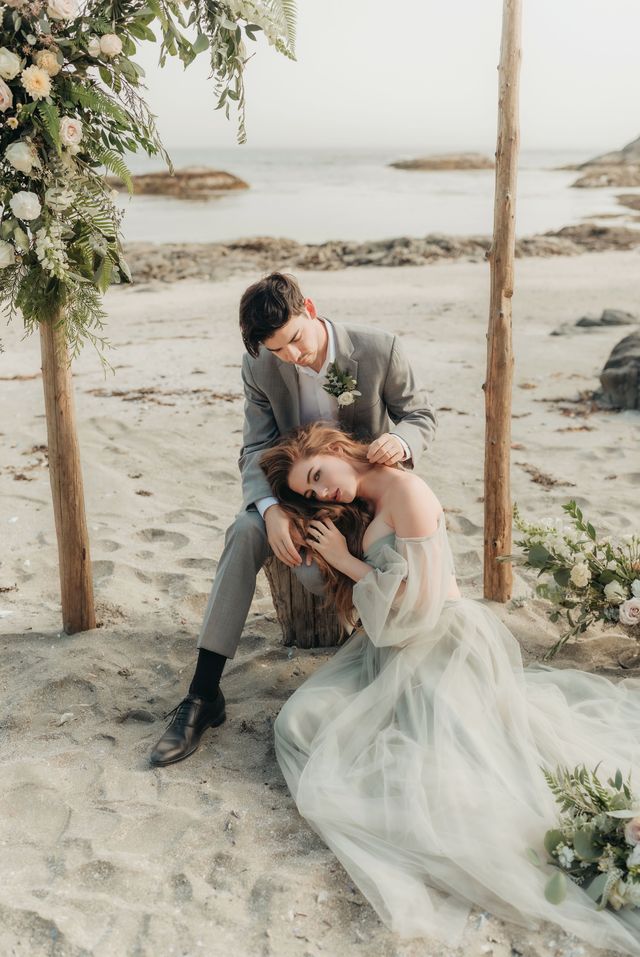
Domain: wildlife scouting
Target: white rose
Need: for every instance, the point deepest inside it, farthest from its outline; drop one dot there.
(47, 61)
(580, 575)
(70, 131)
(58, 198)
(630, 612)
(25, 205)
(7, 254)
(62, 9)
(345, 399)
(6, 97)
(93, 47)
(615, 593)
(22, 157)
(110, 44)
(10, 64)
(635, 588)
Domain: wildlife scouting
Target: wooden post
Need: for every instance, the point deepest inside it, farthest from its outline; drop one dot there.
(303, 617)
(76, 584)
(498, 514)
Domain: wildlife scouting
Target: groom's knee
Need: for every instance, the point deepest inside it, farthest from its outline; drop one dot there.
(248, 530)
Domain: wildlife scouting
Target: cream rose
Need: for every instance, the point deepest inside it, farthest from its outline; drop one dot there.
(6, 97)
(25, 205)
(70, 131)
(615, 593)
(630, 612)
(10, 64)
(7, 254)
(110, 45)
(580, 575)
(22, 157)
(47, 61)
(93, 47)
(36, 82)
(62, 9)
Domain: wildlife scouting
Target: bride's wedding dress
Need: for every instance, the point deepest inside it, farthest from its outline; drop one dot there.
(415, 754)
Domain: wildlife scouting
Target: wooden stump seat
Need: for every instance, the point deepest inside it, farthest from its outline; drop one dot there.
(304, 618)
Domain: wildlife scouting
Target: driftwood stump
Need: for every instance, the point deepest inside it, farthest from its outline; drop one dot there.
(304, 618)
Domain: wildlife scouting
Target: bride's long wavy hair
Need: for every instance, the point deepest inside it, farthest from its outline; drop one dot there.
(351, 518)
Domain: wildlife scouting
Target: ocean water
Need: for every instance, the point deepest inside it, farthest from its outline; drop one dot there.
(317, 195)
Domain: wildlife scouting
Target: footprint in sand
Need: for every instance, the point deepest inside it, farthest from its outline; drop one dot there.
(108, 546)
(191, 516)
(207, 565)
(174, 539)
(460, 525)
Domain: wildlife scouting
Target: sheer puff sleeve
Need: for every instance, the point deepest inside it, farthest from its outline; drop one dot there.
(403, 595)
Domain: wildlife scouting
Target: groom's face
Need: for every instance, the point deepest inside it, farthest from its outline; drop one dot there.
(302, 339)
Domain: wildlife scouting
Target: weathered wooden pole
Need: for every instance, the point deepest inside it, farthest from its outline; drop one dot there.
(498, 514)
(76, 584)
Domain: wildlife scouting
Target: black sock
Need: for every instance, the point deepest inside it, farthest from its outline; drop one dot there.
(207, 675)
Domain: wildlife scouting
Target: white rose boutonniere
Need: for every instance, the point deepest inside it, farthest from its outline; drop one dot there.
(341, 385)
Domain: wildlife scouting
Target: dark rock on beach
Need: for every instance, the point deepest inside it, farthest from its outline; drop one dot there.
(620, 378)
(446, 161)
(192, 182)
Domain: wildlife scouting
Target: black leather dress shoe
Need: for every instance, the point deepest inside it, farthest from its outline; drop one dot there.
(189, 720)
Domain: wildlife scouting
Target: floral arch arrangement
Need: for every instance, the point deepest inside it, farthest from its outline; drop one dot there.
(71, 109)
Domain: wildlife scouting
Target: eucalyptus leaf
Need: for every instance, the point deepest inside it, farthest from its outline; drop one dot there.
(552, 839)
(556, 888)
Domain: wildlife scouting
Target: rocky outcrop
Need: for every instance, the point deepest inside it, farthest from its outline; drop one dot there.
(192, 182)
(169, 262)
(631, 200)
(619, 168)
(620, 378)
(617, 176)
(629, 155)
(446, 161)
(609, 317)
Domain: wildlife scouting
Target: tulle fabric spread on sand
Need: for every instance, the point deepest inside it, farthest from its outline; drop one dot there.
(415, 754)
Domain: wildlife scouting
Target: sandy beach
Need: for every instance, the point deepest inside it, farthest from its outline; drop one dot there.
(99, 853)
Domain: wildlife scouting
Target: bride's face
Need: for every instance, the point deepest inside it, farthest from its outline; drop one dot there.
(327, 478)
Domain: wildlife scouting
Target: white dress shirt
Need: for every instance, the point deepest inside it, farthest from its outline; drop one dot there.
(315, 403)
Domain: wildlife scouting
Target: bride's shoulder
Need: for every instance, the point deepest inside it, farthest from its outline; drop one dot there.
(414, 508)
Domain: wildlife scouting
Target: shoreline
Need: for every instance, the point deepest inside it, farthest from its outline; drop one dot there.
(172, 262)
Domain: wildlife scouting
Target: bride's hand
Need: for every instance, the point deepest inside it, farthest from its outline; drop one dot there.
(325, 539)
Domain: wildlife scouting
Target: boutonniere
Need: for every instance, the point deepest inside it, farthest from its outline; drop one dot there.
(341, 385)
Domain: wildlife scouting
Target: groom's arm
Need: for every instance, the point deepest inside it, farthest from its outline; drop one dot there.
(408, 405)
(259, 433)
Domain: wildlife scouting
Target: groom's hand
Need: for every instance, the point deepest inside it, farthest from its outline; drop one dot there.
(386, 450)
(281, 533)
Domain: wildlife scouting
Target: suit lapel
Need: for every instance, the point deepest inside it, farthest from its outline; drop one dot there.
(290, 378)
(345, 362)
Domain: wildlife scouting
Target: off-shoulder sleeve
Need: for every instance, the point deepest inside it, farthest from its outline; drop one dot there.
(391, 614)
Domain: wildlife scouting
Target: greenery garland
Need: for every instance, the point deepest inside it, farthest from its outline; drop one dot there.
(71, 109)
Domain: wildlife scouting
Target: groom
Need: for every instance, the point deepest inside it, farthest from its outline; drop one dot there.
(289, 350)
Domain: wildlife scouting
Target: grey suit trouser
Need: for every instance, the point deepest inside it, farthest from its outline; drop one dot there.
(245, 551)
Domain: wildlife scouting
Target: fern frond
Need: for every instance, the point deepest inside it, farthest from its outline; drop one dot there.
(48, 112)
(113, 162)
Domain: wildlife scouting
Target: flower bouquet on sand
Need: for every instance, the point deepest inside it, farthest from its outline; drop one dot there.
(588, 578)
(597, 841)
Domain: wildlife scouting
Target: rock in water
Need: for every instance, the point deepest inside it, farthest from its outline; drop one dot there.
(620, 378)
(446, 161)
(192, 182)
(629, 155)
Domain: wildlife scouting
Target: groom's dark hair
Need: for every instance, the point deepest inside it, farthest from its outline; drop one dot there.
(266, 306)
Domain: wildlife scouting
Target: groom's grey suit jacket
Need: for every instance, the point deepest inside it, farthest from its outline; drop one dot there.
(390, 401)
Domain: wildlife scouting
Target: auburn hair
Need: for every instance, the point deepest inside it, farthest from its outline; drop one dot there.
(351, 518)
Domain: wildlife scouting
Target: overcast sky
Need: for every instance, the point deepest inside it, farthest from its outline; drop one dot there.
(421, 75)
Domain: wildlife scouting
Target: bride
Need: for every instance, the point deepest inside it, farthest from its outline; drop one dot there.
(416, 751)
